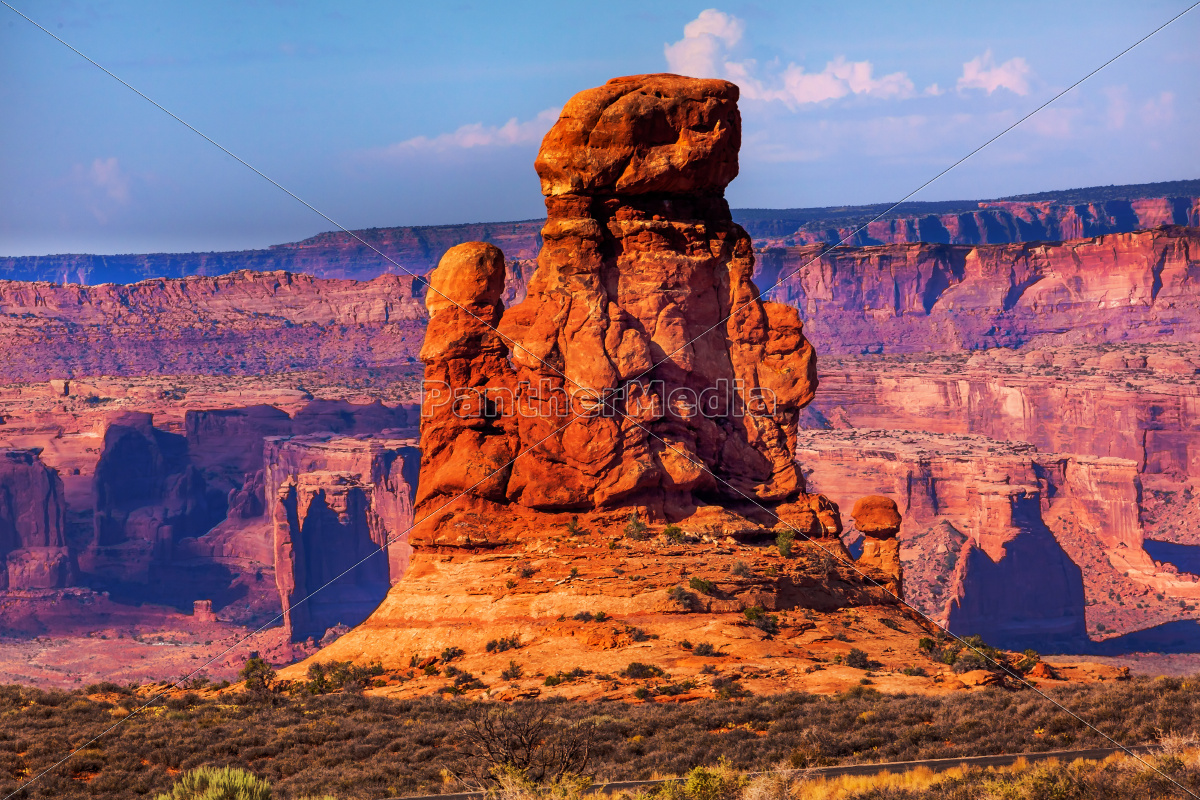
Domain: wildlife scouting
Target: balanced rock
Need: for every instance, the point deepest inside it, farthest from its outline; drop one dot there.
(642, 369)
(878, 519)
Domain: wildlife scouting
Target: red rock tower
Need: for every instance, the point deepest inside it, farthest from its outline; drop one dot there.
(642, 369)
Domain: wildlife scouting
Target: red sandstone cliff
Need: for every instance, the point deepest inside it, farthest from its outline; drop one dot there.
(911, 298)
(1007, 221)
(243, 323)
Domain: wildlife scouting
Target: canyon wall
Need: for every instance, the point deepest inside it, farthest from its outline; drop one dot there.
(341, 508)
(33, 550)
(1006, 221)
(911, 298)
(372, 252)
(1140, 403)
(161, 499)
(241, 324)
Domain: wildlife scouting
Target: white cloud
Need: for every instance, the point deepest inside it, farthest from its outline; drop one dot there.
(1159, 110)
(474, 135)
(982, 72)
(703, 52)
(103, 186)
(106, 175)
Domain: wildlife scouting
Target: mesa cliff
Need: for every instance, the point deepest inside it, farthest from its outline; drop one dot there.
(912, 298)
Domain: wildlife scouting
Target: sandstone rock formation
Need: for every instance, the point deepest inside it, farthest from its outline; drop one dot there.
(33, 551)
(417, 250)
(912, 298)
(1010, 221)
(244, 323)
(623, 333)
(878, 519)
(1003, 540)
(336, 503)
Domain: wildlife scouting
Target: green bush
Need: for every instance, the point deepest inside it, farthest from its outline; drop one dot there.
(636, 529)
(258, 675)
(674, 534)
(784, 542)
(638, 671)
(683, 598)
(702, 586)
(218, 783)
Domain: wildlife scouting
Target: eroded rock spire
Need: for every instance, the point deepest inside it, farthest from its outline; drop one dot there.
(642, 369)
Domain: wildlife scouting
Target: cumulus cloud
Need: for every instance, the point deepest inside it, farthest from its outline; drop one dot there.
(513, 132)
(703, 52)
(982, 72)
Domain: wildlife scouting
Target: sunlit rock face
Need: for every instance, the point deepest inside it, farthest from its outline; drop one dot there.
(642, 369)
(33, 552)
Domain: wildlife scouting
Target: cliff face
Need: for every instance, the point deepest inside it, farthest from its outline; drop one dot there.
(1001, 222)
(336, 503)
(904, 298)
(327, 255)
(33, 551)
(912, 298)
(996, 536)
(1143, 406)
(243, 323)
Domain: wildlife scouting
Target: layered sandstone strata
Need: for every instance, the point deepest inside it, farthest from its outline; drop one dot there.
(341, 509)
(1135, 402)
(912, 298)
(1002, 540)
(642, 306)
(1009, 221)
(242, 323)
(33, 550)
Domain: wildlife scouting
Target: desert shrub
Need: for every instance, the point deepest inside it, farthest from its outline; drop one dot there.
(721, 782)
(705, 649)
(566, 677)
(583, 616)
(784, 541)
(729, 688)
(891, 623)
(336, 676)
(759, 618)
(218, 783)
(451, 654)
(674, 534)
(739, 569)
(702, 586)
(968, 660)
(512, 671)
(638, 671)
(857, 659)
(683, 598)
(639, 635)
(504, 643)
(636, 529)
(258, 675)
(574, 528)
(529, 740)
(525, 570)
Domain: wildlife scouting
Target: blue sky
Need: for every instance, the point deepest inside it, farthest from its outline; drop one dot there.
(424, 113)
